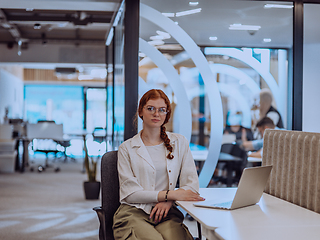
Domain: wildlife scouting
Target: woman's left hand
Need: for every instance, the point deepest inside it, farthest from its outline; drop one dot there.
(160, 211)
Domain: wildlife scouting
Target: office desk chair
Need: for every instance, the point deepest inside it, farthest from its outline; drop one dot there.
(110, 195)
(237, 166)
(99, 134)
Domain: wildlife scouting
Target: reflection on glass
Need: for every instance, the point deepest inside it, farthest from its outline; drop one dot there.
(96, 108)
(63, 104)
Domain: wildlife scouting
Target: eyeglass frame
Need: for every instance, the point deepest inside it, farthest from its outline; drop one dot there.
(155, 109)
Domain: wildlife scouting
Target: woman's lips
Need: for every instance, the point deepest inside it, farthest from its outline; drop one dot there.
(155, 120)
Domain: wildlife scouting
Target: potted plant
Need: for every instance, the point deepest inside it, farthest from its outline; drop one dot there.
(92, 186)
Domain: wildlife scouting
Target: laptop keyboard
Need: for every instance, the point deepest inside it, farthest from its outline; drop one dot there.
(225, 205)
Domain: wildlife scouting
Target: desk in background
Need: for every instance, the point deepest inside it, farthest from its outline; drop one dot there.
(200, 154)
(272, 218)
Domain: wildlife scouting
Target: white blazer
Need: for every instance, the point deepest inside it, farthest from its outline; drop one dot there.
(137, 172)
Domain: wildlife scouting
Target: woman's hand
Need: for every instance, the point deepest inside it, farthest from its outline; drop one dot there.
(185, 195)
(160, 211)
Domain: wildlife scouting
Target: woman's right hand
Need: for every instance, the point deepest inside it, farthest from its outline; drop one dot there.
(185, 195)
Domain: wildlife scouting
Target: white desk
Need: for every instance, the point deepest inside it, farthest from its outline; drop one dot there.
(254, 160)
(272, 218)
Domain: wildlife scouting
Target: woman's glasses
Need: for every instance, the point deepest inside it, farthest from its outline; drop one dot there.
(152, 110)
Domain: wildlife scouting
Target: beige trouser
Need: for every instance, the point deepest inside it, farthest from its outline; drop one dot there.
(132, 223)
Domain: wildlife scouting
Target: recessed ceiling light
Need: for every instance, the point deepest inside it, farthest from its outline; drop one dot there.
(37, 26)
(267, 39)
(188, 12)
(157, 37)
(286, 6)
(176, 23)
(213, 38)
(156, 42)
(164, 34)
(168, 14)
(29, 9)
(239, 26)
(193, 3)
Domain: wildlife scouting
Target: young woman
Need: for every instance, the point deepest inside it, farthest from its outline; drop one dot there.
(149, 165)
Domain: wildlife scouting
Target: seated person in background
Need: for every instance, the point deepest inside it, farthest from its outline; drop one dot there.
(149, 165)
(257, 145)
(234, 127)
(267, 110)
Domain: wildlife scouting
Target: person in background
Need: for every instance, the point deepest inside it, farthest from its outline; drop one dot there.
(233, 126)
(149, 165)
(267, 110)
(256, 145)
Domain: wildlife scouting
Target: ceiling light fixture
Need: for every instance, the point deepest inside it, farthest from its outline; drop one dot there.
(283, 6)
(168, 14)
(188, 12)
(37, 26)
(267, 40)
(213, 38)
(164, 34)
(176, 23)
(193, 3)
(141, 54)
(157, 37)
(156, 42)
(239, 26)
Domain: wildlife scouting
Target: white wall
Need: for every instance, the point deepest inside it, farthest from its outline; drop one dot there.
(311, 88)
(11, 95)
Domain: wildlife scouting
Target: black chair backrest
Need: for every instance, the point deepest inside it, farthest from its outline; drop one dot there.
(109, 189)
(236, 150)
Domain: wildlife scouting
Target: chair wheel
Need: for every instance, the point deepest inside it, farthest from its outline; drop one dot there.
(57, 169)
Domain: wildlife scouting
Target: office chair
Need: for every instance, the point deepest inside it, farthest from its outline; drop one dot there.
(110, 196)
(99, 134)
(237, 151)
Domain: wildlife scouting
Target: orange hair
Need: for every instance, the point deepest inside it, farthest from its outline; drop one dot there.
(155, 94)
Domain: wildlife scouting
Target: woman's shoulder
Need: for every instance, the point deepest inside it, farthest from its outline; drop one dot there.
(131, 141)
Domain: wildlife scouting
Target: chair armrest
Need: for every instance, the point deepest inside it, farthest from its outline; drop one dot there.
(101, 216)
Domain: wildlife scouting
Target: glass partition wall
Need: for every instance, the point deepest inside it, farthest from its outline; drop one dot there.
(212, 58)
(311, 71)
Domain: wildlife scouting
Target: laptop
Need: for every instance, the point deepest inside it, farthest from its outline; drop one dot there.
(250, 189)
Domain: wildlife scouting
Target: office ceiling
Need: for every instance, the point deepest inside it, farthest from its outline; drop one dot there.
(56, 21)
(215, 18)
(87, 22)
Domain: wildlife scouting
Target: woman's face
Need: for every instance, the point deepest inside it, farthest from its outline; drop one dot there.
(154, 113)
